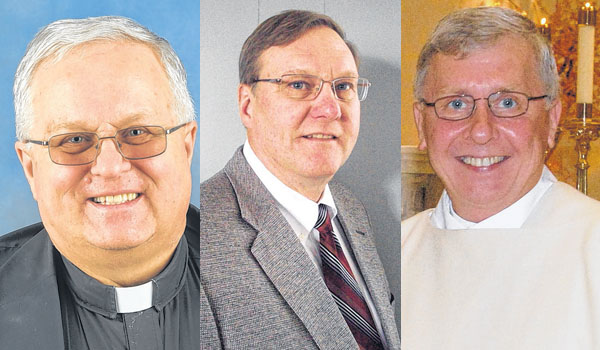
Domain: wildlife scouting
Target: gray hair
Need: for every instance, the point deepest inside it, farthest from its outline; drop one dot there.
(465, 31)
(57, 38)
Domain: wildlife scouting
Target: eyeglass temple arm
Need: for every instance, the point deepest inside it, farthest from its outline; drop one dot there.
(42, 143)
(430, 104)
(175, 128)
(276, 80)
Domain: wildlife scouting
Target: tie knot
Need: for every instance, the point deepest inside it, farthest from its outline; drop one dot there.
(323, 220)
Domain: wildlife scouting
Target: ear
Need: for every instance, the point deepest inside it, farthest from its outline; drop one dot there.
(554, 118)
(245, 104)
(419, 122)
(190, 140)
(23, 152)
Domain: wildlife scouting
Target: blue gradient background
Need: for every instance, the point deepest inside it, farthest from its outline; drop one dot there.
(176, 21)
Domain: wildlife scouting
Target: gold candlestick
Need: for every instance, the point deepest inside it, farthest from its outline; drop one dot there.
(583, 128)
(545, 28)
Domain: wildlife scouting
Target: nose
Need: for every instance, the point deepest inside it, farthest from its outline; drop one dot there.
(109, 162)
(482, 128)
(325, 105)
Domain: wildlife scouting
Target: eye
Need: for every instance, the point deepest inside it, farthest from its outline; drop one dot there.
(72, 143)
(299, 85)
(344, 85)
(507, 103)
(456, 104)
(136, 132)
(74, 140)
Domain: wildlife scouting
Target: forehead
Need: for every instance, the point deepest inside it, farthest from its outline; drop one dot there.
(320, 51)
(507, 64)
(101, 82)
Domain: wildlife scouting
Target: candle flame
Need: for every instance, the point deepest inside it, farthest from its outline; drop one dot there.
(543, 21)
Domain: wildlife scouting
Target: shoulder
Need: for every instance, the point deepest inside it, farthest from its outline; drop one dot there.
(345, 199)
(568, 196)
(13, 241)
(218, 199)
(562, 202)
(214, 187)
(192, 231)
(415, 224)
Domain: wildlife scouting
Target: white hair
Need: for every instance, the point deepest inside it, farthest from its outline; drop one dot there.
(57, 38)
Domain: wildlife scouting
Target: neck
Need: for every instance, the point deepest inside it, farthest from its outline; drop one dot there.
(314, 193)
(122, 268)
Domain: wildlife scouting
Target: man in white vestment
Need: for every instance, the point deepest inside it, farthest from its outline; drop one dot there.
(510, 257)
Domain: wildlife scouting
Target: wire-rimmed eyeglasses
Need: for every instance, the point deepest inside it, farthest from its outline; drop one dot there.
(307, 87)
(80, 148)
(503, 104)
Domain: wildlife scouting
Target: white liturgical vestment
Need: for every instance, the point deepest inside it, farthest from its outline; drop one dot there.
(534, 287)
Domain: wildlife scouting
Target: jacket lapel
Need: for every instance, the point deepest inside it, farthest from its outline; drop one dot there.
(284, 260)
(365, 255)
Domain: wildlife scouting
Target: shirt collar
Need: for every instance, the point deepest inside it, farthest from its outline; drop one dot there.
(514, 216)
(304, 210)
(102, 299)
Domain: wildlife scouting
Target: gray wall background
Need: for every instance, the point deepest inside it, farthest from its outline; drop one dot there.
(373, 169)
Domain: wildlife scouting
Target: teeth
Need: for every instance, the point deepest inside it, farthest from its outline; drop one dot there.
(116, 199)
(482, 162)
(320, 136)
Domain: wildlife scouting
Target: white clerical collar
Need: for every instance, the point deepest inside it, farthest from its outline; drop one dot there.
(514, 216)
(304, 210)
(134, 299)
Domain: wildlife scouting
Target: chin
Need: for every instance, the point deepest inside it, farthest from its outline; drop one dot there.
(117, 239)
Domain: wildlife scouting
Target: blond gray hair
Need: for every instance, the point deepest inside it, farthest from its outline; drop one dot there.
(58, 38)
(465, 31)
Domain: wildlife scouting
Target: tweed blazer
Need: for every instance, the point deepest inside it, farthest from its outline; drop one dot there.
(260, 288)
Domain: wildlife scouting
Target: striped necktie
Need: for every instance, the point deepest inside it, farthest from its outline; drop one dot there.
(343, 286)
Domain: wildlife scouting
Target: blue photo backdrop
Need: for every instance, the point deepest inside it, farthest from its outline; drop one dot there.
(176, 21)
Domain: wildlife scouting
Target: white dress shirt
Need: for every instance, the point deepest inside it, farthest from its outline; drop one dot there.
(444, 216)
(302, 213)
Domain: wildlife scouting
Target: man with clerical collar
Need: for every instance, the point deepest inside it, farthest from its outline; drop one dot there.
(509, 257)
(114, 264)
(288, 258)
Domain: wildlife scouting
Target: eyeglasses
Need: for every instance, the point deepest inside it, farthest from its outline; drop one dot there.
(503, 104)
(80, 148)
(307, 87)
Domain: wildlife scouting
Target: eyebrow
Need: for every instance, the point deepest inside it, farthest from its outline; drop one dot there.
(82, 125)
(346, 74)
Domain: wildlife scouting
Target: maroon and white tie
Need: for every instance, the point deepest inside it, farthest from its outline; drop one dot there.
(340, 280)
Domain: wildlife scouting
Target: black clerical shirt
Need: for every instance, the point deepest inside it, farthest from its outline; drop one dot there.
(48, 303)
(93, 321)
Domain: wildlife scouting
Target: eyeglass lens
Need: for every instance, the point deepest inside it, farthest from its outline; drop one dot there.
(299, 86)
(136, 142)
(502, 104)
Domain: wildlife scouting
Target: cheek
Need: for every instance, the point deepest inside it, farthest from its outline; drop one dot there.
(57, 183)
(527, 134)
(169, 175)
(441, 135)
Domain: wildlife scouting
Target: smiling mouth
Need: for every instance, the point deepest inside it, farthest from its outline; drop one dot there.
(320, 136)
(482, 162)
(116, 199)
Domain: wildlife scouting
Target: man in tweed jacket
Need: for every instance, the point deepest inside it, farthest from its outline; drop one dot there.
(263, 285)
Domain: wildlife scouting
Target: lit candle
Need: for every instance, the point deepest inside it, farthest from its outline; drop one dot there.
(545, 28)
(585, 54)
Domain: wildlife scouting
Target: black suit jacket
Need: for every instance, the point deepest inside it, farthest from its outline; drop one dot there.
(30, 310)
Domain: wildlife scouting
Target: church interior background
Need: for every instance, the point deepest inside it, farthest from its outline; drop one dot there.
(559, 20)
